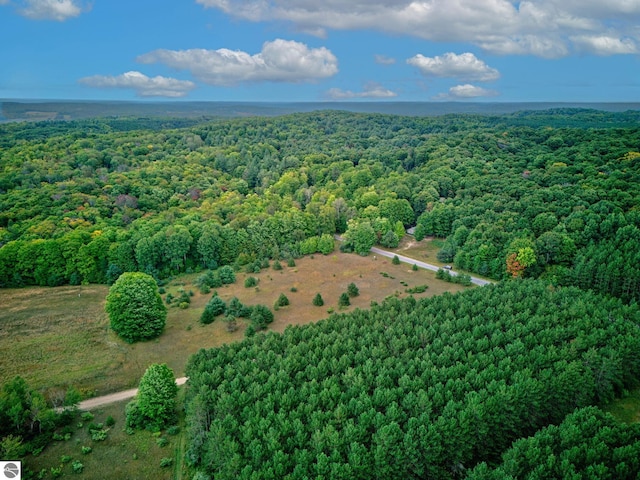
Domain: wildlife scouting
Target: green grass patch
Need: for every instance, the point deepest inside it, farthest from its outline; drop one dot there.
(626, 409)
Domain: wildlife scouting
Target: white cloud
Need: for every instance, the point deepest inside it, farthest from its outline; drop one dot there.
(466, 91)
(604, 45)
(547, 28)
(279, 61)
(59, 10)
(384, 60)
(465, 66)
(143, 86)
(371, 90)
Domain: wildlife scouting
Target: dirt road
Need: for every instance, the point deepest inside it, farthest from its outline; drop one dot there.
(96, 402)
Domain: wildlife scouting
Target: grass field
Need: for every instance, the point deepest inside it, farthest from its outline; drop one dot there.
(120, 455)
(57, 337)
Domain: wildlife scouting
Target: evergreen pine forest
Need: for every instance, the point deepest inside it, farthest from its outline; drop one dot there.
(501, 381)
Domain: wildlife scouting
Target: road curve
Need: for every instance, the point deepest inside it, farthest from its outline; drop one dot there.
(96, 402)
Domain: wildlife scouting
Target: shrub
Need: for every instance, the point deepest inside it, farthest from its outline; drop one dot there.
(99, 435)
(231, 323)
(166, 462)
(110, 421)
(65, 458)
(237, 309)
(86, 416)
(277, 265)
(86, 450)
(317, 300)
(352, 290)
(344, 301)
(250, 282)
(162, 442)
(282, 300)
(77, 467)
(227, 275)
(414, 267)
(214, 307)
(261, 316)
(395, 260)
(173, 430)
(291, 262)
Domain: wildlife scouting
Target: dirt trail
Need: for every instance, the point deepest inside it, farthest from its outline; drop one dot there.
(96, 402)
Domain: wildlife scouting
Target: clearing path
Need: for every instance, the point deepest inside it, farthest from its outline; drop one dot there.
(96, 402)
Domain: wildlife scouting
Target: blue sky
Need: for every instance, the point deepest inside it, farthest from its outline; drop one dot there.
(311, 50)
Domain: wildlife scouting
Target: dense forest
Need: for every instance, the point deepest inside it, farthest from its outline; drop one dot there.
(536, 194)
(494, 382)
(412, 389)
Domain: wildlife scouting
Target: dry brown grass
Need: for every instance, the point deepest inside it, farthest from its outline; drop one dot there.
(60, 336)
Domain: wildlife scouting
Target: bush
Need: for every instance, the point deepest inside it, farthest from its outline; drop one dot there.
(77, 467)
(291, 262)
(344, 301)
(395, 260)
(414, 267)
(162, 442)
(86, 450)
(317, 300)
(231, 323)
(227, 275)
(282, 300)
(237, 309)
(250, 282)
(277, 265)
(214, 307)
(261, 316)
(110, 421)
(352, 290)
(86, 416)
(166, 462)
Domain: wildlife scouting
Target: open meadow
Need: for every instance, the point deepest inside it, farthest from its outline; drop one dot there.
(58, 337)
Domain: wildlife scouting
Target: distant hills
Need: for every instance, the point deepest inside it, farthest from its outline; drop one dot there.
(40, 110)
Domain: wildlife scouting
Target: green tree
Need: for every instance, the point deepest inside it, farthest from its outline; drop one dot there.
(135, 308)
(261, 317)
(352, 290)
(317, 300)
(282, 300)
(155, 404)
(212, 309)
(344, 301)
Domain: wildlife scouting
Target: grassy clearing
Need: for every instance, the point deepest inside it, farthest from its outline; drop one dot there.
(120, 455)
(626, 409)
(57, 337)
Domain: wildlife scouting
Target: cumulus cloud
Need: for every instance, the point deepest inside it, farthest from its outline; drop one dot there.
(546, 28)
(371, 90)
(59, 10)
(466, 91)
(465, 66)
(279, 61)
(143, 85)
(605, 45)
(384, 60)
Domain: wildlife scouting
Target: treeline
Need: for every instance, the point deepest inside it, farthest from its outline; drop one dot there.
(513, 195)
(409, 389)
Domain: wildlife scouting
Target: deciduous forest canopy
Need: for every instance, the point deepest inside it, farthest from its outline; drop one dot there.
(540, 194)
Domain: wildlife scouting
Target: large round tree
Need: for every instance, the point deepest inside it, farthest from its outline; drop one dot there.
(135, 307)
